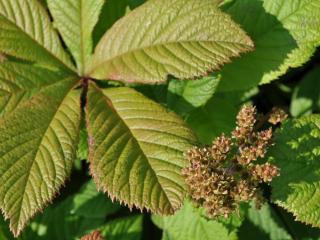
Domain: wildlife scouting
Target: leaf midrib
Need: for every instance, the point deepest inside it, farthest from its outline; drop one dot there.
(143, 48)
(137, 142)
(36, 155)
(58, 60)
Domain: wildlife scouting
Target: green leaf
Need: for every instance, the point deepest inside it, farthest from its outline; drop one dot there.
(189, 224)
(19, 82)
(37, 146)
(75, 20)
(183, 38)
(306, 97)
(263, 223)
(26, 32)
(297, 154)
(90, 203)
(285, 33)
(129, 228)
(5, 233)
(273, 223)
(136, 149)
(184, 96)
(71, 218)
(112, 11)
(218, 115)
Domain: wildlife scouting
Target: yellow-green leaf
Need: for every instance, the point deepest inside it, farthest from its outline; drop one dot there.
(75, 20)
(183, 38)
(136, 149)
(37, 145)
(26, 32)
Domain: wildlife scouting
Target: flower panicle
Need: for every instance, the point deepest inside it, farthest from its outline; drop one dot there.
(223, 174)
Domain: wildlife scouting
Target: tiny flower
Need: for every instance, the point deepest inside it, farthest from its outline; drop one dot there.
(277, 115)
(265, 172)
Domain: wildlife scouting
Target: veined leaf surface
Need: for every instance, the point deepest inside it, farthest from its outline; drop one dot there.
(37, 145)
(286, 34)
(297, 154)
(183, 38)
(26, 32)
(18, 82)
(136, 149)
(75, 20)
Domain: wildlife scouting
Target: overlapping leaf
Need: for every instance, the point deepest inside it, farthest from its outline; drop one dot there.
(136, 149)
(189, 224)
(273, 223)
(75, 20)
(285, 33)
(37, 145)
(72, 218)
(112, 11)
(184, 96)
(26, 32)
(162, 38)
(19, 82)
(306, 97)
(297, 154)
(129, 228)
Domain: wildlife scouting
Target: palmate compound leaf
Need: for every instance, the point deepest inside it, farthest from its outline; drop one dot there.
(136, 149)
(183, 38)
(37, 145)
(285, 33)
(297, 154)
(76, 20)
(19, 82)
(26, 32)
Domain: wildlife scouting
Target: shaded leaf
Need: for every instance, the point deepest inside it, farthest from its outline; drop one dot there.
(285, 33)
(189, 224)
(218, 115)
(19, 82)
(263, 224)
(306, 97)
(71, 218)
(37, 146)
(162, 38)
(26, 32)
(184, 96)
(90, 203)
(136, 149)
(75, 20)
(112, 11)
(129, 228)
(297, 154)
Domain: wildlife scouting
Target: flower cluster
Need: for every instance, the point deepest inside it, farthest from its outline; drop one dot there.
(277, 116)
(223, 174)
(95, 235)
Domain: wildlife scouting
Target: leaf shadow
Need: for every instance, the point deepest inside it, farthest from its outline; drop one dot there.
(273, 43)
(112, 11)
(297, 144)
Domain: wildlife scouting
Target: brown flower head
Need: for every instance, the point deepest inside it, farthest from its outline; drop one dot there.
(222, 175)
(277, 115)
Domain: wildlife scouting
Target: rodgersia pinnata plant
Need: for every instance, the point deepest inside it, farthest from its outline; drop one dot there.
(100, 99)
